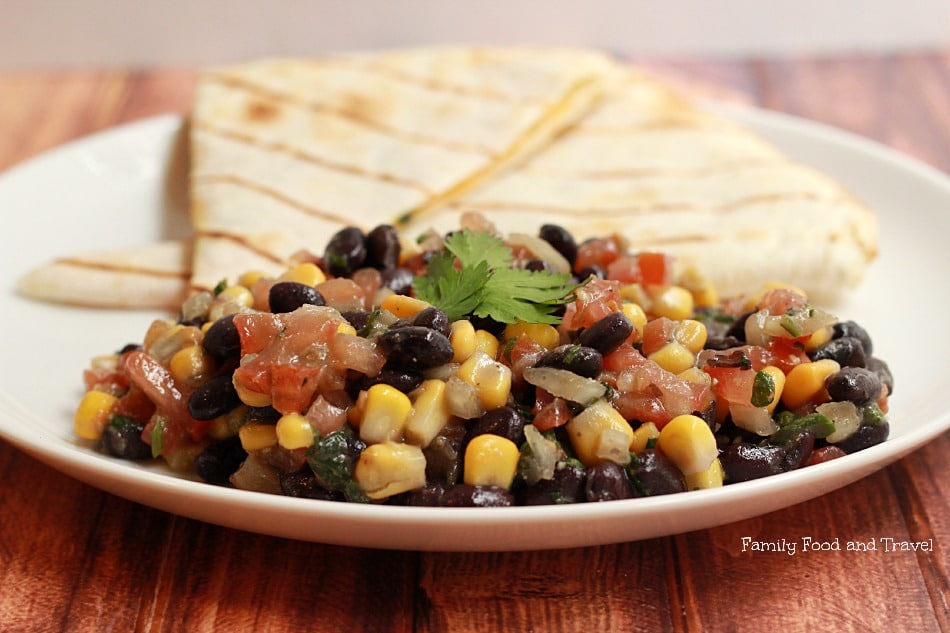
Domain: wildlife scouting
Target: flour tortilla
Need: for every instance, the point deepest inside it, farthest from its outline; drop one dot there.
(154, 277)
(299, 148)
(648, 165)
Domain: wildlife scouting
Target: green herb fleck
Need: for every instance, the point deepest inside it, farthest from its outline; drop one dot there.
(332, 459)
(790, 325)
(872, 414)
(219, 287)
(158, 436)
(473, 276)
(763, 389)
(651, 443)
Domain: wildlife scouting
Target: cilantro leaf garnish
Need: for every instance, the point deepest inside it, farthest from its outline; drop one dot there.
(473, 276)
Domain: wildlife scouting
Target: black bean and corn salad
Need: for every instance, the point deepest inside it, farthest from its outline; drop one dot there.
(477, 370)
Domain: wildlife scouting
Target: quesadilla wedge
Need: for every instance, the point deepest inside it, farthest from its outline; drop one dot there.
(154, 276)
(298, 148)
(648, 165)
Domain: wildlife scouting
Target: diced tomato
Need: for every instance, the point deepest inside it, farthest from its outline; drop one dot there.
(110, 380)
(596, 252)
(624, 356)
(550, 412)
(342, 294)
(824, 454)
(171, 399)
(787, 352)
(595, 300)
(656, 334)
(136, 405)
(257, 330)
(781, 300)
(648, 393)
(369, 280)
(625, 269)
(655, 269)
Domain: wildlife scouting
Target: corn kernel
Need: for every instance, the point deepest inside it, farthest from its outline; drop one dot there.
(778, 379)
(491, 460)
(307, 273)
(251, 398)
(384, 414)
(635, 293)
(92, 414)
(642, 436)
(673, 357)
(390, 468)
(430, 412)
(491, 379)
(403, 306)
(346, 328)
(294, 431)
(695, 375)
(806, 381)
(543, 334)
(486, 342)
(637, 316)
(462, 338)
(191, 365)
(673, 302)
(249, 278)
(712, 477)
(819, 337)
(238, 295)
(688, 441)
(703, 291)
(585, 430)
(691, 334)
(257, 436)
(227, 425)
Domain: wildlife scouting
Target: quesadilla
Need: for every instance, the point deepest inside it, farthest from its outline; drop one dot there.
(285, 152)
(154, 276)
(666, 176)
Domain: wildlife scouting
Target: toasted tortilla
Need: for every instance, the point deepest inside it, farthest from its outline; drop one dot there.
(297, 149)
(153, 276)
(648, 165)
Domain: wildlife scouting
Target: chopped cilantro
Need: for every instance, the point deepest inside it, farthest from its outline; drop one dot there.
(791, 326)
(219, 287)
(763, 389)
(158, 436)
(473, 276)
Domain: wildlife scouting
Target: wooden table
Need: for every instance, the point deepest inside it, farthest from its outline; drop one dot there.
(75, 559)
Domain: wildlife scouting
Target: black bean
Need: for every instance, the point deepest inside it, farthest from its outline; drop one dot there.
(434, 319)
(579, 359)
(537, 265)
(562, 241)
(607, 481)
(597, 271)
(357, 318)
(405, 380)
(216, 463)
(854, 384)
(444, 455)
(416, 347)
(720, 343)
(122, 437)
(847, 351)
(488, 324)
(222, 340)
(383, 247)
(850, 328)
(466, 496)
(214, 398)
(883, 372)
(399, 280)
(430, 495)
(345, 252)
(287, 296)
(652, 474)
(130, 347)
(504, 421)
(744, 461)
(303, 484)
(865, 436)
(607, 334)
(567, 486)
(737, 329)
(798, 449)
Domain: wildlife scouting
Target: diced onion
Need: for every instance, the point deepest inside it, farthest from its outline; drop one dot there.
(462, 399)
(757, 420)
(565, 384)
(543, 458)
(846, 417)
(542, 250)
(614, 445)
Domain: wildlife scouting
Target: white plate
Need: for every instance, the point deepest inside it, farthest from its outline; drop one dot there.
(124, 187)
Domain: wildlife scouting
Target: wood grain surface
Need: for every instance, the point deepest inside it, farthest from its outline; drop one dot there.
(73, 558)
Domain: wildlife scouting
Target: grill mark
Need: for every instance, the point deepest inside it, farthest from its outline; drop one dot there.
(289, 99)
(667, 123)
(237, 181)
(500, 206)
(626, 174)
(123, 269)
(243, 242)
(282, 148)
